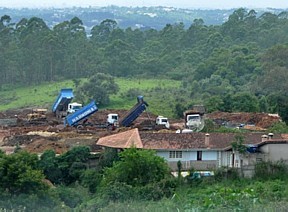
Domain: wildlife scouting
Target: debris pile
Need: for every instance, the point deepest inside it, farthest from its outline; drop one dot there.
(52, 134)
(248, 120)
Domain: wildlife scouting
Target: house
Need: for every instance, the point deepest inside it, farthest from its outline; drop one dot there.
(203, 151)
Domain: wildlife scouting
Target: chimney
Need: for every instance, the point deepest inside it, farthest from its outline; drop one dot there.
(207, 140)
(264, 138)
(270, 136)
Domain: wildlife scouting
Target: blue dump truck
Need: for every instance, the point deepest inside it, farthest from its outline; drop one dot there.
(63, 105)
(135, 112)
(60, 106)
(81, 114)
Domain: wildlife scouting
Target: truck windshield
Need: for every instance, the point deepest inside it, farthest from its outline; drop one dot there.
(115, 117)
(76, 107)
(193, 118)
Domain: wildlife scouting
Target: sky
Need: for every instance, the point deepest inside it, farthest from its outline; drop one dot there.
(201, 4)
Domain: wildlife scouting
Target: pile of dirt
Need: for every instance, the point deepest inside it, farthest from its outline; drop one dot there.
(261, 120)
(52, 134)
(41, 145)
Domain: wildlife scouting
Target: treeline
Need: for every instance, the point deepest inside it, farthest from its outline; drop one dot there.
(242, 61)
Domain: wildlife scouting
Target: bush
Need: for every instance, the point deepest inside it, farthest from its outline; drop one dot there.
(137, 168)
(72, 196)
(117, 192)
(225, 173)
(91, 179)
(271, 170)
(40, 201)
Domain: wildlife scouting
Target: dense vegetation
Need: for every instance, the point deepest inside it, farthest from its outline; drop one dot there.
(132, 180)
(238, 66)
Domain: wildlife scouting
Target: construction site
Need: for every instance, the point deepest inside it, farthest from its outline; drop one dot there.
(37, 130)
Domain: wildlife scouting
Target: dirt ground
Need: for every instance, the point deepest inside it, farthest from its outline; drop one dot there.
(39, 135)
(257, 120)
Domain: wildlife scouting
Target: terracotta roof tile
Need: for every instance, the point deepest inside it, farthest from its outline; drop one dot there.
(148, 140)
(173, 140)
(122, 140)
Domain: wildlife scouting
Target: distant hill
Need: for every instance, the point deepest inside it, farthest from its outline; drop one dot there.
(134, 17)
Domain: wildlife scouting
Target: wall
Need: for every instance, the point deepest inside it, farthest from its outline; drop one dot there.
(189, 159)
(188, 155)
(275, 152)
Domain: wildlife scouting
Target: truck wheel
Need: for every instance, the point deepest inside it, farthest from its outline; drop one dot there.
(80, 127)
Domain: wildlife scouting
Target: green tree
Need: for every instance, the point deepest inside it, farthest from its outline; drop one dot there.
(215, 103)
(73, 163)
(48, 163)
(245, 102)
(98, 88)
(137, 168)
(109, 156)
(19, 173)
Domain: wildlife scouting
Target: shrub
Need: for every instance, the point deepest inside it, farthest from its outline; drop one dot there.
(225, 173)
(72, 196)
(271, 170)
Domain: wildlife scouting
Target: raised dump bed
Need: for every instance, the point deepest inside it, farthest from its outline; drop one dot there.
(81, 114)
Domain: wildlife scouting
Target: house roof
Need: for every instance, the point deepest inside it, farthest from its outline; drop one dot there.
(273, 141)
(175, 141)
(125, 139)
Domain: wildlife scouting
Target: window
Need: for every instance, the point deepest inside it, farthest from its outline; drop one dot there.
(199, 155)
(175, 154)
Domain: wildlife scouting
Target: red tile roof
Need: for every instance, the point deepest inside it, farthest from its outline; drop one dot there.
(148, 140)
(125, 139)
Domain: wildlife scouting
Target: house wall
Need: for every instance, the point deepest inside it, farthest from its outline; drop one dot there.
(188, 155)
(189, 160)
(244, 162)
(275, 152)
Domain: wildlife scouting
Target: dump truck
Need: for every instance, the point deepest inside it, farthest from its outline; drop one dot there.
(63, 105)
(194, 118)
(80, 117)
(134, 113)
(81, 114)
(162, 121)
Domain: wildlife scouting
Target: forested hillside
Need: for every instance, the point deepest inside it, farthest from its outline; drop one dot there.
(240, 65)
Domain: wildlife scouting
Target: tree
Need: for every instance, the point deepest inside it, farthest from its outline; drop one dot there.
(245, 102)
(237, 144)
(48, 163)
(19, 173)
(66, 168)
(137, 168)
(215, 103)
(98, 88)
(73, 164)
(102, 32)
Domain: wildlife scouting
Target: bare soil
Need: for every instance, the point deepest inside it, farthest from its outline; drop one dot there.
(36, 136)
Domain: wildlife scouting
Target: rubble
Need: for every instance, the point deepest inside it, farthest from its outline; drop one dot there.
(257, 120)
(52, 134)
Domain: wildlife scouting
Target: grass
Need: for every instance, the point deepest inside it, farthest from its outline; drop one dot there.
(45, 94)
(31, 96)
(245, 195)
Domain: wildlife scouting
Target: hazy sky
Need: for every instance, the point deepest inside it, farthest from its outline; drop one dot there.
(225, 4)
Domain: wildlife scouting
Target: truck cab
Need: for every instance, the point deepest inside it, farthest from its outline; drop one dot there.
(193, 120)
(112, 119)
(160, 120)
(73, 107)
